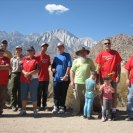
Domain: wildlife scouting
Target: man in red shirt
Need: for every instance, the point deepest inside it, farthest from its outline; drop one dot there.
(4, 72)
(109, 63)
(129, 75)
(44, 63)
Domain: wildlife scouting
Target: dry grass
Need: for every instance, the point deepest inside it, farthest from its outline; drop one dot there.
(122, 91)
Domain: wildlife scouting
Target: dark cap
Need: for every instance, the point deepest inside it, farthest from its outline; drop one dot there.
(30, 48)
(4, 42)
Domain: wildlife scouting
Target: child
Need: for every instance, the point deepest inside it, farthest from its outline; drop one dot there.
(89, 94)
(107, 91)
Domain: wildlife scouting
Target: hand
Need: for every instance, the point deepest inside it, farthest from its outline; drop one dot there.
(95, 89)
(27, 75)
(72, 85)
(53, 70)
(65, 78)
(128, 82)
(117, 79)
(110, 88)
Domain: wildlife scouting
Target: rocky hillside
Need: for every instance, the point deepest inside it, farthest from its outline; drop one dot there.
(122, 43)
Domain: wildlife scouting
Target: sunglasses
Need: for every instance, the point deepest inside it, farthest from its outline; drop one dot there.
(106, 43)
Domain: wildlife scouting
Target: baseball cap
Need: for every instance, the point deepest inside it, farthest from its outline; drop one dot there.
(60, 44)
(43, 44)
(4, 42)
(30, 48)
(18, 47)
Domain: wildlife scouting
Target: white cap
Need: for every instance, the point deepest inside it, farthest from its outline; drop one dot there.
(18, 47)
(60, 44)
(43, 44)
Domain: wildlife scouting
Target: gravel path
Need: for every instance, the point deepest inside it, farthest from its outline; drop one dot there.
(49, 123)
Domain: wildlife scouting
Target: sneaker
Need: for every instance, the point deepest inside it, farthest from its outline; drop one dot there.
(38, 109)
(103, 119)
(19, 109)
(84, 116)
(14, 109)
(90, 117)
(61, 110)
(109, 119)
(128, 119)
(99, 116)
(22, 113)
(55, 110)
(35, 113)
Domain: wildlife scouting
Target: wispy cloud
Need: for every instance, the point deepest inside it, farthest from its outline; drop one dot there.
(58, 9)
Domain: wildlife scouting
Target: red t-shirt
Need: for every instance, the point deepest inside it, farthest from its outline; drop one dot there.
(44, 63)
(4, 73)
(108, 62)
(28, 64)
(129, 67)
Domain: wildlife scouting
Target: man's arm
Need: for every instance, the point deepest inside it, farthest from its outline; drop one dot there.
(118, 73)
(98, 68)
(5, 67)
(128, 77)
(66, 74)
(72, 76)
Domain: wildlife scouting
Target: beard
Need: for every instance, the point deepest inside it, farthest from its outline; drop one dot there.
(82, 60)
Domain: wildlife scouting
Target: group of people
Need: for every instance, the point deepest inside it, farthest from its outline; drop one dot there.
(30, 74)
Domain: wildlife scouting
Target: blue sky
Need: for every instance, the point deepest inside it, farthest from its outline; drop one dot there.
(84, 18)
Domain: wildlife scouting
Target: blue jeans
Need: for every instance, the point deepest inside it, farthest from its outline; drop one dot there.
(107, 106)
(88, 106)
(29, 87)
(130, 102)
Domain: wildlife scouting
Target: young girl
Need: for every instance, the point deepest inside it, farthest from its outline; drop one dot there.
(107, 91)
(89, 95)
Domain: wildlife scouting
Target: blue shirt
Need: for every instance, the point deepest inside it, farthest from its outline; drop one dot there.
(60, 63)
(89, 85)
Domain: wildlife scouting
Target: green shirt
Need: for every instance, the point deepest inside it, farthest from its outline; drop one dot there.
(82, 70)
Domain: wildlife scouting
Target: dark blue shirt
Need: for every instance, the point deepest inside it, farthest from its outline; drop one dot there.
(60, 63)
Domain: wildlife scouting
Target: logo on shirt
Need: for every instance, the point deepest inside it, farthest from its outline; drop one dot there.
(27, 61)
(110, 57)
(44, 60)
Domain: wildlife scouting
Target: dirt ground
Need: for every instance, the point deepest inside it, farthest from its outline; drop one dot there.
(46, 122)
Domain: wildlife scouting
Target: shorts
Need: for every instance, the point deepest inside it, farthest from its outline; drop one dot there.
(29, 88)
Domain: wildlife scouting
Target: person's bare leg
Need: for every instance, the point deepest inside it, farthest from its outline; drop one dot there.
(34, 105)
(24, 103)
(23, 111)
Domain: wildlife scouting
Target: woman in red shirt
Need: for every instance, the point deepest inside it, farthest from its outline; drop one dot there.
(29, 80)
